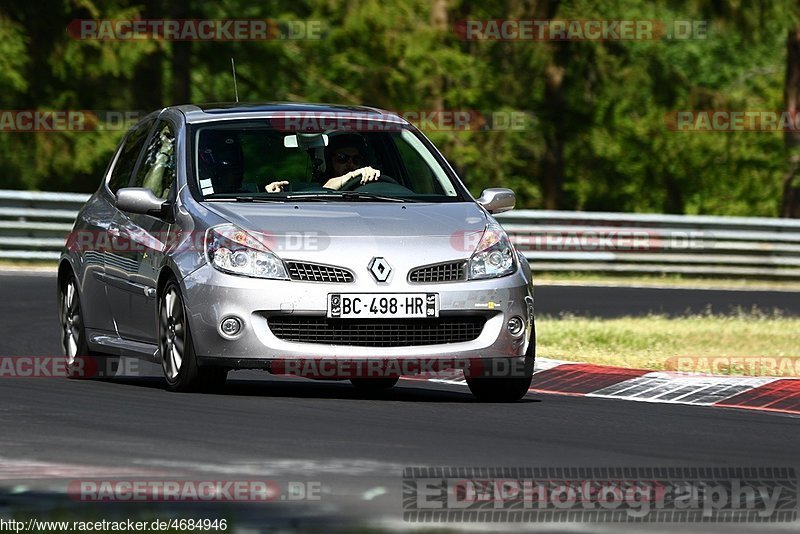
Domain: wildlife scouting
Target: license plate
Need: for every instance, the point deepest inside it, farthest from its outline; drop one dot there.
(383, 305)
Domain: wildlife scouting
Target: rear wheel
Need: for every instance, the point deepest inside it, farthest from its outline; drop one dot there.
(80, 361)
(178, 359)
(374, 384)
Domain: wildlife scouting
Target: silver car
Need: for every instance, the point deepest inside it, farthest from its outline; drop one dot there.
(322, 241)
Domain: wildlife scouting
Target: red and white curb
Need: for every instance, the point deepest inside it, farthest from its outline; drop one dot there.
(602, 381)
(24, 469)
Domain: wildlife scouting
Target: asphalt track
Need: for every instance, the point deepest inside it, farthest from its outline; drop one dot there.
(354, 445)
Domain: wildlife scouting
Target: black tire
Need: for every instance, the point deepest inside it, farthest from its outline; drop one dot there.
(81, 363)
(213, 379)
(374, 384)
(499, 389)
(178, 358)
(505, 389)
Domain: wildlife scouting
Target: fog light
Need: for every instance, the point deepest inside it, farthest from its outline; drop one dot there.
(515, 326)
(231, 326)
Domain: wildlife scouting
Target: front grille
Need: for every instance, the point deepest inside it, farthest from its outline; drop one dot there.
(314, 272)
(441, 272)
(376, 332)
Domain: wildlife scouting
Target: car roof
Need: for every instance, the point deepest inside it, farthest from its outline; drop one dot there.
(197, 113)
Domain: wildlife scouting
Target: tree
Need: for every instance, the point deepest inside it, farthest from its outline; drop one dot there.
(790, 205)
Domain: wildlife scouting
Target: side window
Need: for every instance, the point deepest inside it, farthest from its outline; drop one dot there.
(425, 174)
(419, 173)
(132, 146)
(157, 171)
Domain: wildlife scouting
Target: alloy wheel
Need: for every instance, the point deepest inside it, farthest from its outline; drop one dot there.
(71, 321)
(172, 334)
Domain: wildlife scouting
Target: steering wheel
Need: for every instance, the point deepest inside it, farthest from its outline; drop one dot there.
(355, 182)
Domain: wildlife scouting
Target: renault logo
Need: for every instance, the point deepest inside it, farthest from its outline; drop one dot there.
(380, 269)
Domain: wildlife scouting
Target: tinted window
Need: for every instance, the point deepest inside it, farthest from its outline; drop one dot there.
(121, 175)
(157, 170)
(253, 158)
(419, 173)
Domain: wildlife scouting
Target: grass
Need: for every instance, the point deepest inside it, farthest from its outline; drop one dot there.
(35, 265)
(749, 344)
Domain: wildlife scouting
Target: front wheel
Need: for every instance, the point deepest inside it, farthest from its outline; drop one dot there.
(487, 388)
(178, 358)
(499, 389)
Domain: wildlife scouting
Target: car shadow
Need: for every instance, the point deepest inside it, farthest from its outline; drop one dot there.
(301, 388)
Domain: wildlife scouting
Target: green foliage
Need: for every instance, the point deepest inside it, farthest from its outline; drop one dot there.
(605, 120)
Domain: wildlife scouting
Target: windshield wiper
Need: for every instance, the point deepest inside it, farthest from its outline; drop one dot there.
(241, 198)
(358, 195)
(314, 197)
(346, 195)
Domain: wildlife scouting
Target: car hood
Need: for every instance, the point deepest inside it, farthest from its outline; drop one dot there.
(360, 219)
(427, 232)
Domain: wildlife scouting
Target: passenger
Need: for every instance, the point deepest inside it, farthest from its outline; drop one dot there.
(221, 161)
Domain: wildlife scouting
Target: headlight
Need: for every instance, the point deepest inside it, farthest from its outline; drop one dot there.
(494, 255)
(232, 250)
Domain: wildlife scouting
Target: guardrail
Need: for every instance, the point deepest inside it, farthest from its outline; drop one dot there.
(704, 245)
(33, 226)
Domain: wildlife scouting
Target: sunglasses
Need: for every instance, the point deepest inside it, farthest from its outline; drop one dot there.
(343, 158)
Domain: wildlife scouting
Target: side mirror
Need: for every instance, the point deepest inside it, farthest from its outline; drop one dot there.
(497, 199)
(141, 200)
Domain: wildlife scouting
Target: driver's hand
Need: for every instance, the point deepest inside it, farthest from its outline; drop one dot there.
(363, 175)
(368, 174)
(276, 187)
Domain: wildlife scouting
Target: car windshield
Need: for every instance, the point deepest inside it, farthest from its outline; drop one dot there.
(264, 161)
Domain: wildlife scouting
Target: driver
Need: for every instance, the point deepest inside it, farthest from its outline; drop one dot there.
(344, 162)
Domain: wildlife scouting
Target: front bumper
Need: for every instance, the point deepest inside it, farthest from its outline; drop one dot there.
(211, 296)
